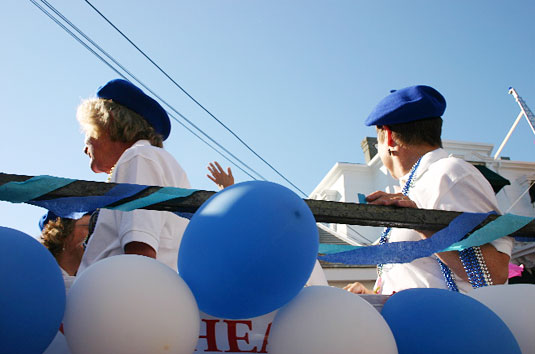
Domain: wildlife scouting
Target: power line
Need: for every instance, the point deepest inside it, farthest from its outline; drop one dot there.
(139, 81)
(520, 197)
(192, 98)
(358, 233)
(58, 13)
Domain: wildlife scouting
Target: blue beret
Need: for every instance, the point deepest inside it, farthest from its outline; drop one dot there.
(129, 95)
(50, 216)
(46, 218)
(407, 105)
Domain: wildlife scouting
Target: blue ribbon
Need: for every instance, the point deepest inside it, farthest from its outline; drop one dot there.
(503, 225)
(328, 248)
(161, 195)
(407, 251)
(75, 207)
(22, 192)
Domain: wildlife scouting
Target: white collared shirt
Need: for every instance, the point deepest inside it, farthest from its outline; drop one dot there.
(441, 182)
(144, 164)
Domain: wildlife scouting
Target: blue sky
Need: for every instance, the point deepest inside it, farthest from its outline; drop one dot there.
(294, 79)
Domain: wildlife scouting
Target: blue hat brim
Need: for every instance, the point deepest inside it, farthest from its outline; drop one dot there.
(46, 218)
(51, 216)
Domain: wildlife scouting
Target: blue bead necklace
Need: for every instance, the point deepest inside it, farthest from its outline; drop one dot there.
(405, 191)
(471, 258)
(448, 276)
(474, 266)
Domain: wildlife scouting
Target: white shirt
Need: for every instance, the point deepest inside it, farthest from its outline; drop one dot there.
(67, 279)
(317, 277)
(445, 183)
(144, 164)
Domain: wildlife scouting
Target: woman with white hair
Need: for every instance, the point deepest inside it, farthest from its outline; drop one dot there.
(125, 130)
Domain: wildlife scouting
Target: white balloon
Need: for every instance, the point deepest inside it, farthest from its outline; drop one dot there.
(323, 319)
(131, 304)
(514, 305)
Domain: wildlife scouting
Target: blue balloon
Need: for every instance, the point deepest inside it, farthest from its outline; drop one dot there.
(439, 321)
(32, 294)
(248, 250)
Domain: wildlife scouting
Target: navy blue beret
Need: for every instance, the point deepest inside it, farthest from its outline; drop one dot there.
(46, 218)
(50, 216)
(407, 105)
(129, 95)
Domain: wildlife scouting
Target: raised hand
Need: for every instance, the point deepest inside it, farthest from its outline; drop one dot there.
(219, 176)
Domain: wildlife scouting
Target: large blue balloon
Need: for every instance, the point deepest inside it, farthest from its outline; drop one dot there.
(32, 294)
(248, 250)
(439, 321)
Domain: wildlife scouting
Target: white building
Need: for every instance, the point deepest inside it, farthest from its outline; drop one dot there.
(512, 180)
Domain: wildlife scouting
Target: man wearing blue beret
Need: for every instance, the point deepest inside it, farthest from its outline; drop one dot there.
(409, 126)
(125, 130)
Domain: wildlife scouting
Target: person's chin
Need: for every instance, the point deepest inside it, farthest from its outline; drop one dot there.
(95, 168)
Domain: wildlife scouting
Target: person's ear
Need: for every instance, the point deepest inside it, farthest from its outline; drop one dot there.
(393, 146)
(390, 142)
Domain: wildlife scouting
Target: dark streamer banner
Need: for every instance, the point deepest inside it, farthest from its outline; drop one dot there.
(451, 238)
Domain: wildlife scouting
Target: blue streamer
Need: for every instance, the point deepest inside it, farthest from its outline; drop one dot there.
(184, 214)
(407, 251)
(524, 239)
(35, 187)
(161, 195)
(75, 207)
(328, 248)
(504, 225)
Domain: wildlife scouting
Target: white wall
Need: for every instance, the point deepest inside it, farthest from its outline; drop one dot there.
(345, 180)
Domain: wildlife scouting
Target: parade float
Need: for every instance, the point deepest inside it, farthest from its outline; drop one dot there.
(243, 264)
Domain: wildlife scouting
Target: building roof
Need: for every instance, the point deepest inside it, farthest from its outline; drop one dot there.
(329, 236)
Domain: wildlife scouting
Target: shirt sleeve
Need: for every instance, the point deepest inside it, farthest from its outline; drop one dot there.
(471, 195)
(139, 225)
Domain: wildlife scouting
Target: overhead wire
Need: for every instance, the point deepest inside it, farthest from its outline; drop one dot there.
(140, 82)
(81, 33)
(157, 96)
(358, 233)
(193, 99)
(520, 197)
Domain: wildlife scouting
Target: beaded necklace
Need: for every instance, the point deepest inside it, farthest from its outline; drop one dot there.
(471, 258)
(111, 173)
(474, 266)
(385, 236)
